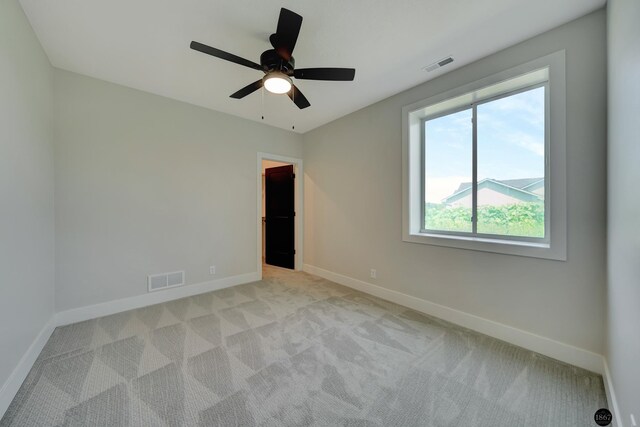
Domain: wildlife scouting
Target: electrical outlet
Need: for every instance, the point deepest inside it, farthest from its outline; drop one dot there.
(212, 270)
(373, 273)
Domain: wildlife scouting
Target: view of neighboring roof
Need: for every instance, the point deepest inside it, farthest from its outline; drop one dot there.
(520, 184)
(521, 189)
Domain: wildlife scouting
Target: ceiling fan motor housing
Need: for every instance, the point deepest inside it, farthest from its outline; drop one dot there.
(270, 60)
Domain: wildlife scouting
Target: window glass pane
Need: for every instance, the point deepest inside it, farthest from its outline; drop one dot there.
(511, 165)
(448, 172)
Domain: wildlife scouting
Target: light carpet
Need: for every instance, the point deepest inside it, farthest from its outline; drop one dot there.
(294, 349)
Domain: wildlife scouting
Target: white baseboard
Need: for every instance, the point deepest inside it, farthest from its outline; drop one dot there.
(112, 307)
(560, 351)
(13, 383)
(611, 395)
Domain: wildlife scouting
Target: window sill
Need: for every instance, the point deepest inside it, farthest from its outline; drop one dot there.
(507, 247)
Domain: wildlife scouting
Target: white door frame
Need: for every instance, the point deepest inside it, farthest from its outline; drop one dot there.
(299, 207)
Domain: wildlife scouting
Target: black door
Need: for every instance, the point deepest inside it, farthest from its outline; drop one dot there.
(280, 216)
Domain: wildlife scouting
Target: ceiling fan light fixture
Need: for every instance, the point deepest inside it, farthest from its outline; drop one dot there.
(277, 82)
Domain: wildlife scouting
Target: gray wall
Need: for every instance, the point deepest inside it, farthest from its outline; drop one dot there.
(353, 206)
(26, 187)
(145, 185)
(623, 346)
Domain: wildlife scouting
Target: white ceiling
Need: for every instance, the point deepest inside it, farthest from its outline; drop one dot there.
(144, 44)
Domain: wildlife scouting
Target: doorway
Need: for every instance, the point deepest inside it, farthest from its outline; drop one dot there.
(280, 212)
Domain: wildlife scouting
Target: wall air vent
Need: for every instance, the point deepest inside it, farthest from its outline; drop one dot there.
(158, 282)
(439, 64)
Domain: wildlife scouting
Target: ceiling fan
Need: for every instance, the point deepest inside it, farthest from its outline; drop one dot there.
(278, 64)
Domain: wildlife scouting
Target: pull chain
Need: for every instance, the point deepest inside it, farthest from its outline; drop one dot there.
(293, 98)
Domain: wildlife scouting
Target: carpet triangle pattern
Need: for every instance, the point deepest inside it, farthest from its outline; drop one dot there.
(294, 350)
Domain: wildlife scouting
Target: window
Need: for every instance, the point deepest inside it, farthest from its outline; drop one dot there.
(484, 164)
(484, 167)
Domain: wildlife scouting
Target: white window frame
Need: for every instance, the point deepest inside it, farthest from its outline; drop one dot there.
(554, 244)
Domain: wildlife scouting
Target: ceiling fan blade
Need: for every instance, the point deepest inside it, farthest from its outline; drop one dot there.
(298, 98)
(248, 89)
(286, 35)
(335, 74)
(224, 55)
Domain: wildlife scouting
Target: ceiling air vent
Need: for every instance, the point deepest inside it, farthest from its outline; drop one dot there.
(157, 282)
(439, 64)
